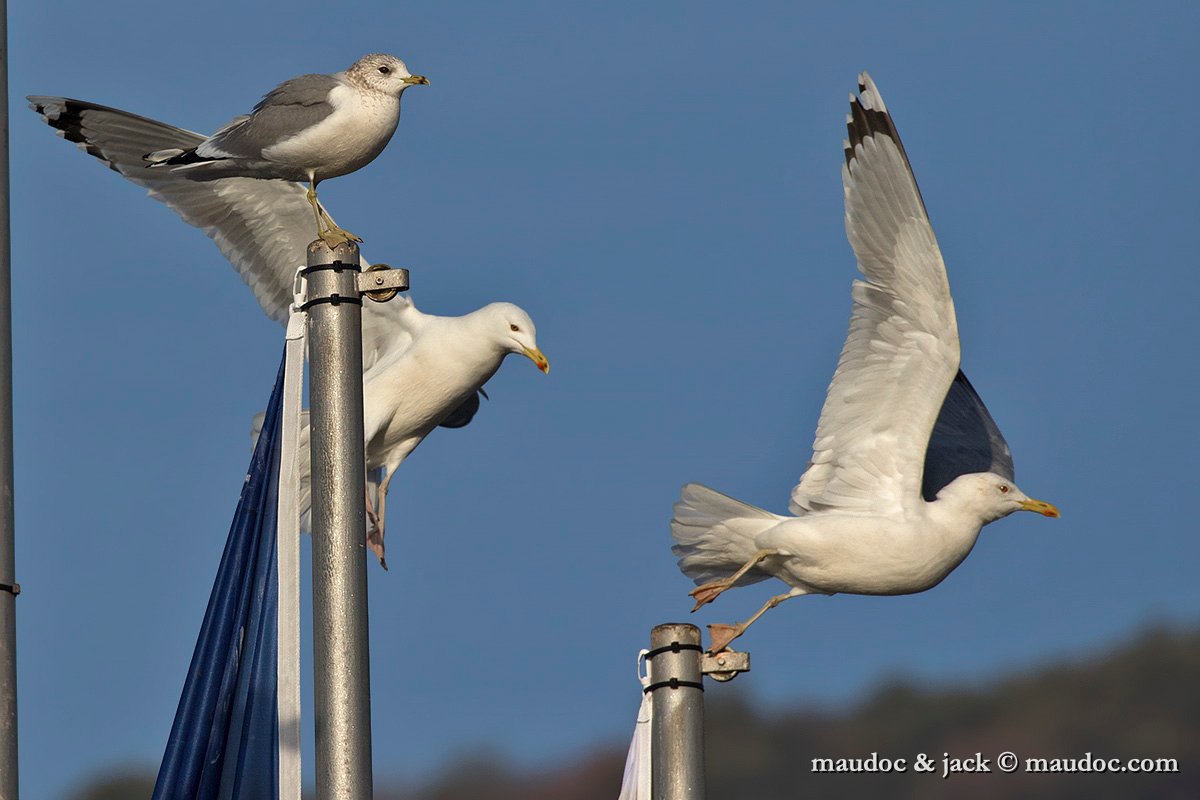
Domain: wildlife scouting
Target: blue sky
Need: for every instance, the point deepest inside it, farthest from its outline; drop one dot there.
(659, 187)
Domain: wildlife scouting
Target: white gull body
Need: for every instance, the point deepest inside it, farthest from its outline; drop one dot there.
(419, 370)
(907, 464)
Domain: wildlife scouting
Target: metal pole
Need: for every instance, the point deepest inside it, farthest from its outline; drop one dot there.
(342, 679)
(677, 729)
(8, 597)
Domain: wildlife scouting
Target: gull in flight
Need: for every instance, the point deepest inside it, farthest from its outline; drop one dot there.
(907, 465)
(420, 371)
(307, 129)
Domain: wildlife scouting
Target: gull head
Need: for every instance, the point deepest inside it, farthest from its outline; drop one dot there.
(991, 496)
(512, 329)
(383, 73)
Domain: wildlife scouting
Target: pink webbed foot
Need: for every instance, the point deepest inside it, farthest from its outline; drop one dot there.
(707, 593)
(722, 635)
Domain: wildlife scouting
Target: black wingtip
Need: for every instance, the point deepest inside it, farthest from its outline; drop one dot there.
(868, 118)
(863, 122)
(461, 416)
(69, 123)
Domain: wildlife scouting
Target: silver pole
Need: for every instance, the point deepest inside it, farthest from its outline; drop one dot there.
(677, 729)
(8, 597)
(342, 678)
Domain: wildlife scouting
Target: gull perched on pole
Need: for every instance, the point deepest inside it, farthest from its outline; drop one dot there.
(420, 371)
(907, 465)
(306, 129)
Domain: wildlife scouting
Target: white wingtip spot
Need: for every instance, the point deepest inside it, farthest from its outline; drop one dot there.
(870, 94)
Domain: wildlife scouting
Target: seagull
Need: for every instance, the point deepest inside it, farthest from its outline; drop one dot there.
(306, 129)
(420, 371)
(907, 465)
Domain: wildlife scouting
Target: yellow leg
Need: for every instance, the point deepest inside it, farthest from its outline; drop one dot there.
(327, 229)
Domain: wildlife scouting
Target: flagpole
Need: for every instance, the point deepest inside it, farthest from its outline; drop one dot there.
(341, 672)
(8, 583)
(677, 727)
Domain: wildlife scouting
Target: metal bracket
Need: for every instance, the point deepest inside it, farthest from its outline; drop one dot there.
(725, 665)
(381, 282)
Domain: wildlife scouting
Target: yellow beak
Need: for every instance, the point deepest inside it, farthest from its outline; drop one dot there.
(1045, 509)
(535, 355)
(414, 80)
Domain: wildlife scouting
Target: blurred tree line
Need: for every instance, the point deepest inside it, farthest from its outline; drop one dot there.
(1139, 701)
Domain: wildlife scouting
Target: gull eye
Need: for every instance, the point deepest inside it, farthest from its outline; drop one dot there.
(514, 327)
(384, 71)
(1004, 488)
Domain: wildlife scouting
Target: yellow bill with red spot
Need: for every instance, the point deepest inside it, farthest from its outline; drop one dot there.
(1039, 507)
(538, 358)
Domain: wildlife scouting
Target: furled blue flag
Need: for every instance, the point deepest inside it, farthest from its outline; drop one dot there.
(224, 744)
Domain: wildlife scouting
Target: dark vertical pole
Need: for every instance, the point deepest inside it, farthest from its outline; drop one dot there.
(8, 597)
(341, 673)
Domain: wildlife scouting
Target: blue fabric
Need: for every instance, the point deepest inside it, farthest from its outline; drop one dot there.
(224, 743)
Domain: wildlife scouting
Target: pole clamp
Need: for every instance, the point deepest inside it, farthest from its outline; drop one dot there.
(12, 588)
(725, 665)
(381, 282)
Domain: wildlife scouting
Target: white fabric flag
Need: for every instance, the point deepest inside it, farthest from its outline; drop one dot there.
(288, 553)
(636, 783)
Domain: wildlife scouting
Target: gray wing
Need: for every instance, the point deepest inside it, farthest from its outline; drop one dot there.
(965, 439)
(285, 111)
(262, 227)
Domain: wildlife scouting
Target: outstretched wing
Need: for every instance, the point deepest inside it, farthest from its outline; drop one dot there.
(965, 439)
(262, 226)
(902, 353)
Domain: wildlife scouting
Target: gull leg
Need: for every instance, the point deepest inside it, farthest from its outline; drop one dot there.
(372, 517)
(316, 207)
(327, 230)
(375, 534)
(709, 591)
(722, 635)
(332, 231)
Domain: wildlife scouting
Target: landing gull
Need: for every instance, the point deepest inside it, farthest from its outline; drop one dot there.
(306, 129)
(907, 465)
(419, 370)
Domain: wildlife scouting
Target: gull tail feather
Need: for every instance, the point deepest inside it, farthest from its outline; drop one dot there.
(715, 535)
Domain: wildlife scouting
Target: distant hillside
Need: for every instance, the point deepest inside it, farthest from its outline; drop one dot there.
(1139, 701)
